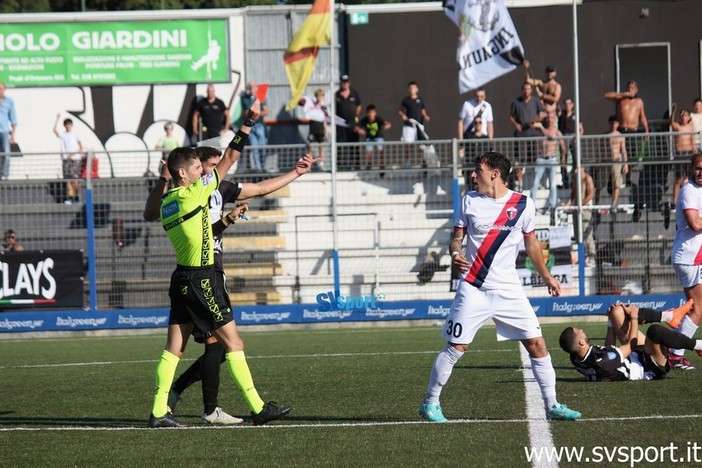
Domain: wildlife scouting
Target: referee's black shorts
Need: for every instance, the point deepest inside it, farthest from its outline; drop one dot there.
(198, 295)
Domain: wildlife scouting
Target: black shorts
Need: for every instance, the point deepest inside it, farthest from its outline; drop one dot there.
(198, 296)
(651, 366)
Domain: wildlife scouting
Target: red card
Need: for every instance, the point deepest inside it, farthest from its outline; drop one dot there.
(261, 92)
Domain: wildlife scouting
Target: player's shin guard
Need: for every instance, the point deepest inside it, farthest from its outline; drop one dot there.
(211, 361)
(239, 370)
(546, 378)
(669, 338)
(165, 371)
(441, 371)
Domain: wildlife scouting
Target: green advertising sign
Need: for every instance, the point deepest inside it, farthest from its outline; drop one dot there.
(110, 53)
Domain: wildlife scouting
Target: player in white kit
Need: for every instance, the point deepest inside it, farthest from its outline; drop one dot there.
(686, 255)
(495, 220)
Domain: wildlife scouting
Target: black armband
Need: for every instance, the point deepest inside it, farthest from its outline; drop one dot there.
(239, 141)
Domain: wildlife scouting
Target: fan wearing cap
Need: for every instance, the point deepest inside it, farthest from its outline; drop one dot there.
(168, 141)
(548, 90)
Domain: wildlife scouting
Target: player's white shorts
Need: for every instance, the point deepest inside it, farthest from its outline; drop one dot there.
(511, 311)
(688, 275)
(409, 133)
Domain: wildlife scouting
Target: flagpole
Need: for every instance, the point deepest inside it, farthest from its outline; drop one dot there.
(578, 152)
(332, 141)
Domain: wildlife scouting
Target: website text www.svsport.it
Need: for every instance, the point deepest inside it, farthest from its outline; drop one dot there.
(631, 454)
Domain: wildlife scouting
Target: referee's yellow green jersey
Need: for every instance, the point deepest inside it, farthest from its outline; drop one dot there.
(185, 215)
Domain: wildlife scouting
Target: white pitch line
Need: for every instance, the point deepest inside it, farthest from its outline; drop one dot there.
(276, 356)
(540, 438)
(342, 425)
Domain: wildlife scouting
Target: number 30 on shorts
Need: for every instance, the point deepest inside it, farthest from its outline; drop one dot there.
(454, 329)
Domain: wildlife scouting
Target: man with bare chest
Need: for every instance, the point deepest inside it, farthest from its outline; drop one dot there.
(549, 90)
(548, 160)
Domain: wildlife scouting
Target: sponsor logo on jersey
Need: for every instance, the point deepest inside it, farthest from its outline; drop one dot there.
(169, 209)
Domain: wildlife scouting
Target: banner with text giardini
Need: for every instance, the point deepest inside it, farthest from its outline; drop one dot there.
(114, 53)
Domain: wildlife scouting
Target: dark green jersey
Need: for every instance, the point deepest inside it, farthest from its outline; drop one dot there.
(186, 219)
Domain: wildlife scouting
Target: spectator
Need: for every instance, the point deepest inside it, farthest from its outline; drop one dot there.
(258, 136)
(472, 109)
(11, 242)
(697, 122)
(684, 146)
(348, 109)
(411, 108)
(167, 142)
(72, 158)
(316, 113)
(631, 116)
(413, 113)
(615, 153)
(371, 126)
(547, 161)
(8, 126)
(549, 90)
(475, 145)
(587, 188)
(524, 112)
(567, 126)
(211, 117)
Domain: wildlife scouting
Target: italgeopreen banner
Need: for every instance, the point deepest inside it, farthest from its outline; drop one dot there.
(114, 53)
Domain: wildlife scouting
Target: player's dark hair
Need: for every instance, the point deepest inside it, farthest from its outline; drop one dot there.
(67, 121)
(495, 160)
(181, 158)
(370, 107)
(207, 152)
(568, 340)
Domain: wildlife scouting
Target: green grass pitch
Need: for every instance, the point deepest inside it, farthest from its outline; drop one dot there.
(355, 393)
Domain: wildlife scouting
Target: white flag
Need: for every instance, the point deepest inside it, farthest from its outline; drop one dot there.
(488, 45)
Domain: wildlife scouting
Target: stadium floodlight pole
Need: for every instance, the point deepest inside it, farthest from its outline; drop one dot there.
(578, 152)
(332, 141)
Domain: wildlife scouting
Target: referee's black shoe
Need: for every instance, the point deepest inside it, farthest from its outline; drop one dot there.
(167, 421)
(270, 412)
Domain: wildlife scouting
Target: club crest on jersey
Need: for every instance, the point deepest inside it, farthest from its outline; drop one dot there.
(511, 213)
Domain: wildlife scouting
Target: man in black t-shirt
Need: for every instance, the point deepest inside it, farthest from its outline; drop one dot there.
(348, 108)
(211, 116)
(412, 111)
(639, 357)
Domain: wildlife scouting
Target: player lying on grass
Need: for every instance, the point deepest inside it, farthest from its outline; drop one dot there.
(639, 356)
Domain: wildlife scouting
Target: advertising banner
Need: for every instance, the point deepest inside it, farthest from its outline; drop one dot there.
(555, 248)
(114, 53)
(41, 278)
(325, 312)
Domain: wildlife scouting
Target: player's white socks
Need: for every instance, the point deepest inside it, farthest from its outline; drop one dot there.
(441, 371)
(698, 345)
(688, 328)
(545, 376)
(667, 316)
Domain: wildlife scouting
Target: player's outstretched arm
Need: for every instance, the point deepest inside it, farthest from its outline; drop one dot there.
(533, 250)
(303, 166)
(236, 146)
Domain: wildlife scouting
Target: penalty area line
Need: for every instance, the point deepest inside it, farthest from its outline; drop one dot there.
(344, 425)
